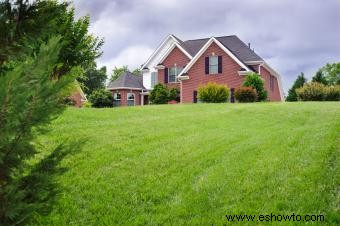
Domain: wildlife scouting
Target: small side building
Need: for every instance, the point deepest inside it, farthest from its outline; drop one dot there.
(128, 90)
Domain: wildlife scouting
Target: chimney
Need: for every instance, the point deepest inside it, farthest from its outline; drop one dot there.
(249, 45)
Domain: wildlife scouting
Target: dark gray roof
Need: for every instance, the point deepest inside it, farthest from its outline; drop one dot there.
(127, 80)
(232, 42)
(239, 48)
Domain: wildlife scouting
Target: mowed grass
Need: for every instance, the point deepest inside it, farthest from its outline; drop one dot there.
(194, 164)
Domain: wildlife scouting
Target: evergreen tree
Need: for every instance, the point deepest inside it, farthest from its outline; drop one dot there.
(320, 78)
(29, 99)
(299, 82)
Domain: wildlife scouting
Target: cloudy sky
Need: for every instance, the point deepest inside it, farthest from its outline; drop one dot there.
(293, 36)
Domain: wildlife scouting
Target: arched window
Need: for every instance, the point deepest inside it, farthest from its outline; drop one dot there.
(116, 99)
(130, 99)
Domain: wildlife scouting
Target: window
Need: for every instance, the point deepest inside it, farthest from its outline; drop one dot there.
(130, 99)
(153, 79)
(213, 65)
(271, 82)
(173, 73)
(116, 99)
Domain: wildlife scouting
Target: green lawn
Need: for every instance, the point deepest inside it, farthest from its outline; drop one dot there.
(193, 164)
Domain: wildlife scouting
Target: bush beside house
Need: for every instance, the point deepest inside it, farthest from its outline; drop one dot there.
(213, 93)
(101, 98)
(162, 95)
(255, 81)
(246, 94)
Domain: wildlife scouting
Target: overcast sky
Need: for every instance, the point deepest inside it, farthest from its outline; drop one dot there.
(293, 36)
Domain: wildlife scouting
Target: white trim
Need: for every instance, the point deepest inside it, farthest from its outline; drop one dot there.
(116, 88)
(159, 67)
(183, 77)
(171, 48)
(161, 46)
(242, 72)
(205, 47)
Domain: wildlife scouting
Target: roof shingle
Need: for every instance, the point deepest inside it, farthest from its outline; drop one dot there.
(127, 80)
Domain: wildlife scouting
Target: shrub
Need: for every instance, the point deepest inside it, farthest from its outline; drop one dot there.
(213, 93)
(313, 91)
(254, 80)
(174, 95)
(69, 101)
(159, 94)
(246, 94)
(332, 93)
(101, 98)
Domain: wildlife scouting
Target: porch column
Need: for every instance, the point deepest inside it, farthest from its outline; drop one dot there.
(142, 99)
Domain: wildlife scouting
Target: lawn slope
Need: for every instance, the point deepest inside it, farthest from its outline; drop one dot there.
(193, 164)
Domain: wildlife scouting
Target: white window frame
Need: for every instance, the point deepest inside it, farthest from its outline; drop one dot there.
(213, 65)
(177, 72)
(115, 99)
(154, 75)
(134, 98)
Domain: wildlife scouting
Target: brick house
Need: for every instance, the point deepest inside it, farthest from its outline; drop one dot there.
(128, 90)
(189, 64)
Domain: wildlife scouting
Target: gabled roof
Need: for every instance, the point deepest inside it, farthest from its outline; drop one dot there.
(205, 47)
(127, 80)
(232, 42)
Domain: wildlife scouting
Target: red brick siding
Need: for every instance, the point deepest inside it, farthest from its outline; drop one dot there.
(273, 94)
(175, 57)
(77, 98)
(229, 75)
(123, 96)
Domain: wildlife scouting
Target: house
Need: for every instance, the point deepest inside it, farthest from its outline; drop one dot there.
(78, 97)
(188, 64)
(128, 90)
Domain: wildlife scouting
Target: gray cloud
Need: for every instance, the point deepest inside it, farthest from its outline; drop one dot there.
(292, 35)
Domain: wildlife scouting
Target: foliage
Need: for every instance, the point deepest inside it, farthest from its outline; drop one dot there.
(213, 93)
(94, 79)
(312, 91)
(246, 94)
(315, 91)
(175, 158)
(137, 71)
(299, 82)
(332, 73)
(25, 25)
(118, 71)
(174, 94)
(101, 98)
(332, 93)
(320, 78)
(254, 80)
(69, 101)
(159, 94)
(29, 99)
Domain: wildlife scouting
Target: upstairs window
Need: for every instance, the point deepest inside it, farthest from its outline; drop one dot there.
(173, 73)
(154, 79)
(213, 64)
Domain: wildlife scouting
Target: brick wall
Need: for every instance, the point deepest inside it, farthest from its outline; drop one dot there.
(175, 57)
(274, 93)
(229, 75)
(123, 94)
